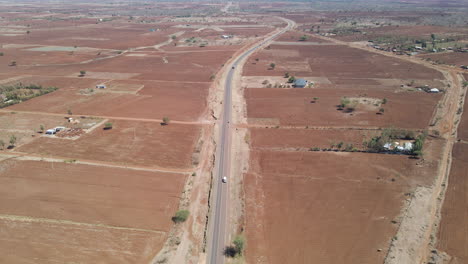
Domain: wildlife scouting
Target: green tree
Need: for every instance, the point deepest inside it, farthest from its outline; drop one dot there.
(272, 66)
(286, 75)
(41, 128)
(69, 111)
(381, 111)
(12, 140)
(239, 243)
(166, 120)
(303, 38)
(2, 144)
(82, 73)
(291, 79)
(180, 216)
(13, 63)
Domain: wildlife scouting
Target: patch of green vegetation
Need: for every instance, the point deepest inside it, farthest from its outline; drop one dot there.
(237, 247)
(181, 216)
(14, 94)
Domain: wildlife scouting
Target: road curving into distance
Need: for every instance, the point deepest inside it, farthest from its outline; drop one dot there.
(218, 216)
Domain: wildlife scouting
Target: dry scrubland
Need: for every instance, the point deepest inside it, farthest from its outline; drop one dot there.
(97, 195)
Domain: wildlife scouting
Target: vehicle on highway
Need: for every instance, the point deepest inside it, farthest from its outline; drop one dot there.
(224, 179)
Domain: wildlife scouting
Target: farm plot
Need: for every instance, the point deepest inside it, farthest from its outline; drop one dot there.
(305, 207)
(333, 61)
(128, 142)
(185, 67)
(463, 127)
(112, 213)
(453, 229)
(455, 58)
(292, 139)
(298, 107)
(155, 100)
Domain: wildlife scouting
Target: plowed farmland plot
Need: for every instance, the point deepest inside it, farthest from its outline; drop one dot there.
(128, 142)
(455, 58)
(59, 212)
(295, 107)
(293, 139)
(151, 99)
(333, 61)
(453, 234)
(307, 207)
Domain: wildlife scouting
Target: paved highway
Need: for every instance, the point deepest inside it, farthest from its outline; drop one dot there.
(218, 218)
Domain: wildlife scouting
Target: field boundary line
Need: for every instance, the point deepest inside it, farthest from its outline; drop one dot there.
(27, 156)
(68, 222)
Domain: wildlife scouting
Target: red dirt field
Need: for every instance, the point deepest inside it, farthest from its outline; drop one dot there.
(462, 132)
(101, 195)
(456, 58)
(413, 31)
(293, 107)
(129, 142)
(195, 67)
(105, 209)
(453, 229)
(278, 138)
(155, 100)
(25, 242)
(105, 35)
(305, 207)
(333, 61)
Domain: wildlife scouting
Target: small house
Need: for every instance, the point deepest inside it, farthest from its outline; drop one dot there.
(100, 86)
(300, 83)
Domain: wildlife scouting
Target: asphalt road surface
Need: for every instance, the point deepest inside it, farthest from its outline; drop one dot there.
(218, 218)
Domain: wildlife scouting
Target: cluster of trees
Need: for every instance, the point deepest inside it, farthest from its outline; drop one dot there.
(347, 105)
(377, 143)
(17, 93)
(12, 142)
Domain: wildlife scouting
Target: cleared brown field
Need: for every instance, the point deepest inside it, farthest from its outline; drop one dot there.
(305, 207)
(294, 107)
(411, 31)
(82, 212)
(187, 67)
(308, 138)
(456, 58)
(29, 122)
(333, 61)
(180, 101)
(453, 229)
(462, 132)
(24, 242)
(129, 142)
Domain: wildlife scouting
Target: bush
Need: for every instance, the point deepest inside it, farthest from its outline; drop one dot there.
(166, 121)
(180, 216)
(236, 249)
(108, 125)
(82, 73)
